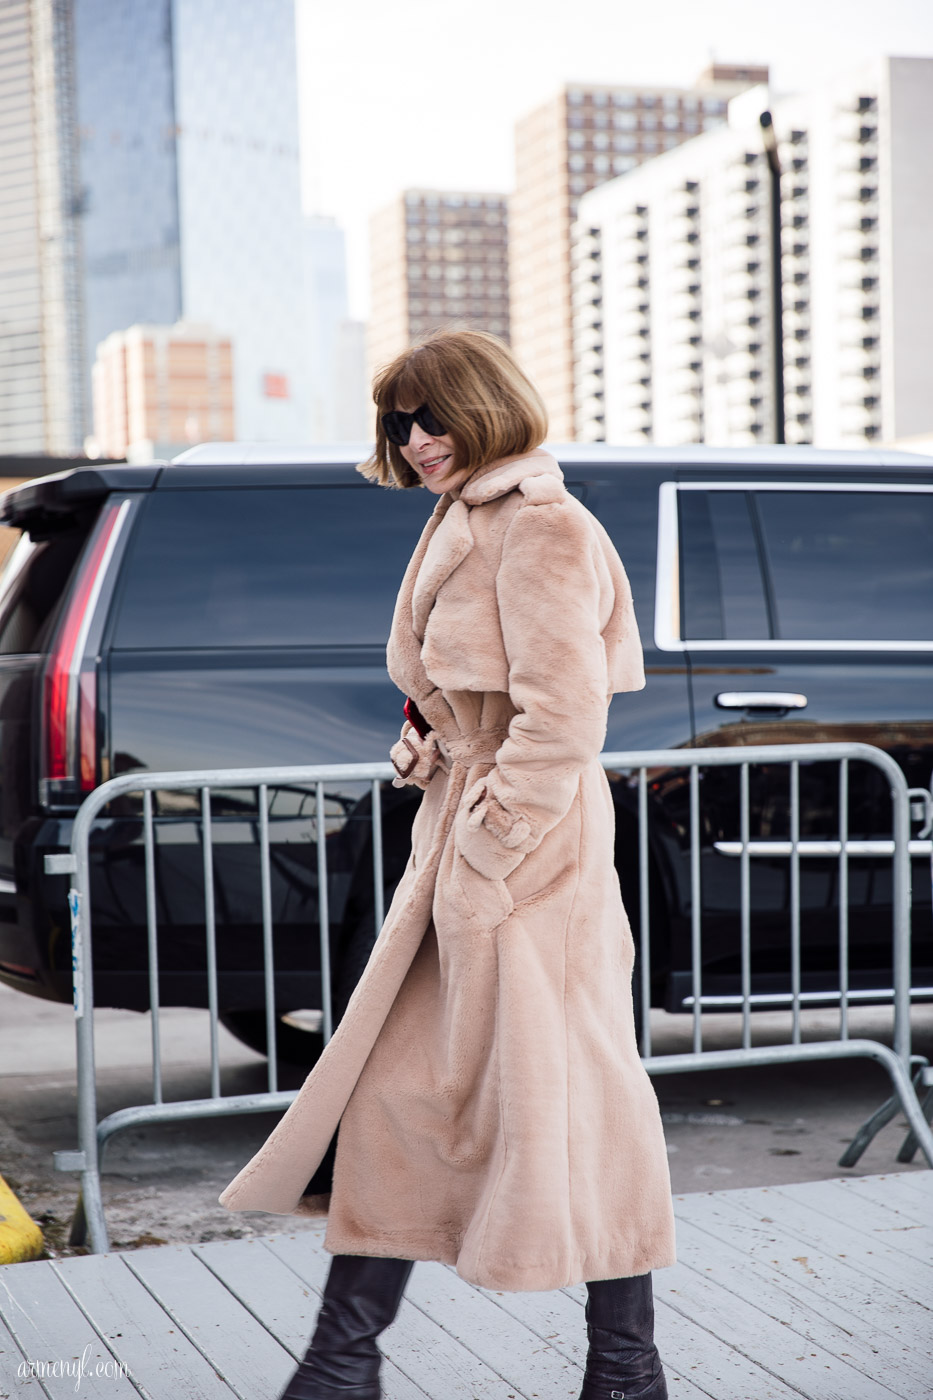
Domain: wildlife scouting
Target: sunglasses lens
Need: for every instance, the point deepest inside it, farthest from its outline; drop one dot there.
(429, 423)
(395, 429)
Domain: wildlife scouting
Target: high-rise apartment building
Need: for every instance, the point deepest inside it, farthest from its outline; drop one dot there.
(41, 334)
(160, 389)
(673, 269)
(164, 185)
(438, 258)
(584, 136)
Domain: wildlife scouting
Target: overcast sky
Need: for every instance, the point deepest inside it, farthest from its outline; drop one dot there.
(398, 93)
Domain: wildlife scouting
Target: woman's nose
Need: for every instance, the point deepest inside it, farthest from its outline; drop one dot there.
(418, 437)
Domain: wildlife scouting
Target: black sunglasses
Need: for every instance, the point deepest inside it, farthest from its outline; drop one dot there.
(397, 426)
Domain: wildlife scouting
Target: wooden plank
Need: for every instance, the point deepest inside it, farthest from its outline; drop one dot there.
(811, 1268)
(693, 1360)
(888, 1192)
(236, 1344)
(11, 1358)
(887, 1256)
(436, 1362)
(267, 1287)
(49, 1327)
(523, 1359)
(813, 1318)
(877, 1220)
(308, 1263)
(759, 1322)
(909, 1184)
(557, 1318)
(157, 1354)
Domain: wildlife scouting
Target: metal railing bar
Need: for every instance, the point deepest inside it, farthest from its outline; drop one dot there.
(727, 1000)
(897, 1061)
(152, 942)
(695, 911)
(210, 925)
(844, 899)
(323, 913)
(644, 912)
(378, 875)
(268, 969)
(795, 900)
(901, 919)
(745, 933)
(815, 850)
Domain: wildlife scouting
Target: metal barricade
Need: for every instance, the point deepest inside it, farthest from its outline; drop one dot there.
(899, 1063)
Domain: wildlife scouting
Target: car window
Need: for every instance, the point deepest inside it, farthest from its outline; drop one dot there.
(850, 565)
(626, 505)
(35, 576)
(254, 567)
(721, 588)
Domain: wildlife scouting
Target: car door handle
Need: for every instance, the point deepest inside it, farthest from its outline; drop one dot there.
(760, 700)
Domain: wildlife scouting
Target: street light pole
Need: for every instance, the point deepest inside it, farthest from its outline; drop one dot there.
(777, 288)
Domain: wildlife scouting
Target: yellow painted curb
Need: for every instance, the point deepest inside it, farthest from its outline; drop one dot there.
(20, 1236)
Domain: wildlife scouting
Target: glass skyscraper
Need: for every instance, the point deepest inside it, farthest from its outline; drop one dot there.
(181, 191)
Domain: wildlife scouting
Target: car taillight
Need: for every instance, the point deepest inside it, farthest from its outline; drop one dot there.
(70, 696)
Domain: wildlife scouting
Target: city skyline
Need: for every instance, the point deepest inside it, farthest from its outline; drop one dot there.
(444, 99)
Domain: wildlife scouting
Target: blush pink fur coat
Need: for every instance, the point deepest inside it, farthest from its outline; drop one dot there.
(493, 1110)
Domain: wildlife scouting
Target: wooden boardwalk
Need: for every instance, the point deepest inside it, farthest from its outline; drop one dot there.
(822, 1290)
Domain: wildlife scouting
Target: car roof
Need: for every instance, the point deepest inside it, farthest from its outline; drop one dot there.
(573, 453)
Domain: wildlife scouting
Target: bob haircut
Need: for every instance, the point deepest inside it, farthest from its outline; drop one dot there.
(473, 385)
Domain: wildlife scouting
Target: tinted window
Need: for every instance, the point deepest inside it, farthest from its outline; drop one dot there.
(721, 589)
(252, 567)
(34, 578)
(850, 565)
(627, 508)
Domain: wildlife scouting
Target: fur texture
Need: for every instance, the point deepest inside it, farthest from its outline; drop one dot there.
(493, 1110)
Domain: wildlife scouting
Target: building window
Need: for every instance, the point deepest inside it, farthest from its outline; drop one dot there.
(671, 102)
(624, 99)
(577, 162)
(625, 121)
(649, 123)
(575, 119)
(623, 143)
(601, 165)
(647, 100)
(622, 164)
(576, 140)
(671, 123)
(577, 185)
(601, 141)
(574, 97)
(600, 99)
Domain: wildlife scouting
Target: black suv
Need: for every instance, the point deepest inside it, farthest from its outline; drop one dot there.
(231, 609)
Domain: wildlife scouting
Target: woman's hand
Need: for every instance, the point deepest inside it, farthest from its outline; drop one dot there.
(413, 758)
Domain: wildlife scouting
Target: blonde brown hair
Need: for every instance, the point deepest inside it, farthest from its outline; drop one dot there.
(474, 386)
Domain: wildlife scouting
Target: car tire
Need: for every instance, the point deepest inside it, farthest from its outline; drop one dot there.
(292, 1045)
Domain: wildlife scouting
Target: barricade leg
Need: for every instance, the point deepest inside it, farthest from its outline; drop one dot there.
(910, 1144)
(882, 1117)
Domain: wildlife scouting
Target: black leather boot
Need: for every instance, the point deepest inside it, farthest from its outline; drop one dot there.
(361, 1297)
(622, 1359)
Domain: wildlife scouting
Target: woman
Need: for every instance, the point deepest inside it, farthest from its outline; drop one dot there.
(493, 1110)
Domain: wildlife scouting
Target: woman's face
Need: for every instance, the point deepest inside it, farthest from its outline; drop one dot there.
(433, 458)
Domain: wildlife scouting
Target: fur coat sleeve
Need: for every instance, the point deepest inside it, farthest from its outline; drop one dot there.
(565, 615)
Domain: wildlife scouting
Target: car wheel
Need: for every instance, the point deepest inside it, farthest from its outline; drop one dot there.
(294, 1045)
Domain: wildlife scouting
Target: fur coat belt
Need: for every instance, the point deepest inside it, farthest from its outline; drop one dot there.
(493, 1111)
